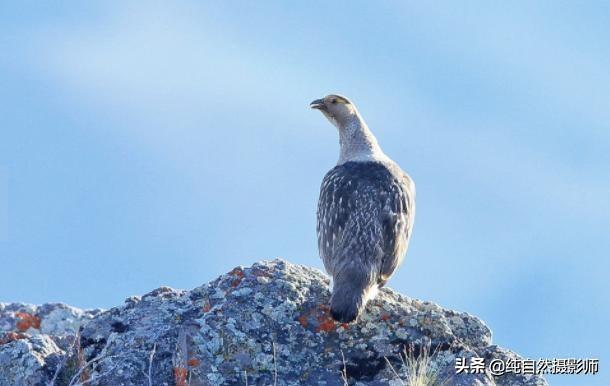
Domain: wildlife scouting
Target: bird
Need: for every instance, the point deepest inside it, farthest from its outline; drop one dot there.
(365, 214)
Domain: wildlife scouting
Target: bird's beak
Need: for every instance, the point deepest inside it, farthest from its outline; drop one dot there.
(318, 104)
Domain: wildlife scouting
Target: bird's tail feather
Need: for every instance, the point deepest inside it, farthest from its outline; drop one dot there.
(349, 297)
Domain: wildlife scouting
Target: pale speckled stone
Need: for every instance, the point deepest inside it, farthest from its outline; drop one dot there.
(252, 320)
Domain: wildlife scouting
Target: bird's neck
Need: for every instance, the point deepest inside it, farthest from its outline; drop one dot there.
(358, 142)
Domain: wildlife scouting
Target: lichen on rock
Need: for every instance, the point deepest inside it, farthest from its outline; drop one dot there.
(261, 325)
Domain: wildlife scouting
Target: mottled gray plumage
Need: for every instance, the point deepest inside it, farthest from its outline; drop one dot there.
(365, 213)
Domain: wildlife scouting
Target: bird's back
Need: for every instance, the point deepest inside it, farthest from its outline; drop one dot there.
(365, 214)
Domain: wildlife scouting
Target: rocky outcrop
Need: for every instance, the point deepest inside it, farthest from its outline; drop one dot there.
(263, 325)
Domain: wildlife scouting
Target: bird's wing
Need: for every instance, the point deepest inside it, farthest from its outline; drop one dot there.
(333, 214)
(397, 219)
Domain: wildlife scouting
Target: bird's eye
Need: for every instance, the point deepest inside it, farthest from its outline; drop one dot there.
(333, 101)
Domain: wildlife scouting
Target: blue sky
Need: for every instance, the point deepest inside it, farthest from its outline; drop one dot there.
(164, 144)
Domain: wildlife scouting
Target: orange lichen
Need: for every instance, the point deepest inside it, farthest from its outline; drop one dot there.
(384, 317)
(303, 320)
(325, 322)
(193, 362)
(180, 376)
(11, 336)
(327, 325)
(206, 307)
(236, 282)
(237, 272)
(26, 321)
(240, 275)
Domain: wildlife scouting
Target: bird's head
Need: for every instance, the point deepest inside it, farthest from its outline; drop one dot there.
(336, 108)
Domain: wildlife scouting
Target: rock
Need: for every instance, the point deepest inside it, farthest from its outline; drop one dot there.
(263, 325)
(51, 319)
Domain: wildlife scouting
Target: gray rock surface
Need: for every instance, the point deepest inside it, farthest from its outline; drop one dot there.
(263, 325)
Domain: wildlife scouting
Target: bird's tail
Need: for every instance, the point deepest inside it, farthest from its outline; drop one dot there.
(351, 292)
